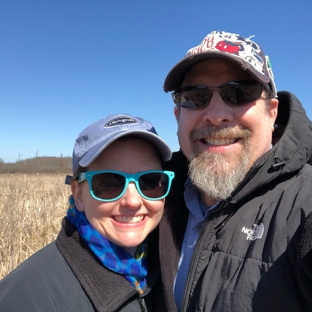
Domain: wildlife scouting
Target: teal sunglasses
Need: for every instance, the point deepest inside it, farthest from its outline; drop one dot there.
(110, 185)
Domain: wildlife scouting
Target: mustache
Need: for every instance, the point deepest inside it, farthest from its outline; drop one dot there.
(220, 132)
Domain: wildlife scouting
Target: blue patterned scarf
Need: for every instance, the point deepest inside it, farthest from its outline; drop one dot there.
(111, 256)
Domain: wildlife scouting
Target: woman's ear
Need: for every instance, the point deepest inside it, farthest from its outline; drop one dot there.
(77, 194)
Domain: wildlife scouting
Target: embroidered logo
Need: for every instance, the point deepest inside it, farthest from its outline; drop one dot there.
(121, 120)
(255, 232)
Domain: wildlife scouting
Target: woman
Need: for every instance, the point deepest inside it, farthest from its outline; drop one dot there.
(100, 260)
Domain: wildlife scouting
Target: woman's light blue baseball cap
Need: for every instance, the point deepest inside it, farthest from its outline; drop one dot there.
(99, 135)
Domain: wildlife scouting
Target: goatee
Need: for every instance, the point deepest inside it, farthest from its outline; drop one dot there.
(218, 174)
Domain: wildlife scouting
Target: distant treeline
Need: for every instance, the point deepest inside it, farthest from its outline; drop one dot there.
(38, 165)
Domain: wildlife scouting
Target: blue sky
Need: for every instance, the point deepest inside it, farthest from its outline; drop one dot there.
(67, 63)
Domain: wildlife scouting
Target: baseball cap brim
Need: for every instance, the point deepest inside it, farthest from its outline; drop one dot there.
(176, 75)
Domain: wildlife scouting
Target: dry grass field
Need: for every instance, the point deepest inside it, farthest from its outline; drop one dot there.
(31, 209)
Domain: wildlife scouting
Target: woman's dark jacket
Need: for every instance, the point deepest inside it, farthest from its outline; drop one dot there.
(66, 276)
(247, 257)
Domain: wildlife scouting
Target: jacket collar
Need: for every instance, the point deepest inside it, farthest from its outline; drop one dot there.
(105, 289)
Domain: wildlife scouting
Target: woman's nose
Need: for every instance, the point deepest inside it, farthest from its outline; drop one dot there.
(131, 198)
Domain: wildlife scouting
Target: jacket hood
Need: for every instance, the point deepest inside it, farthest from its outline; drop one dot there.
(292, 148)
(295, 144)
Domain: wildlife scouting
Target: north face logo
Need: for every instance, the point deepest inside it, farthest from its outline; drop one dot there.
(255, 232)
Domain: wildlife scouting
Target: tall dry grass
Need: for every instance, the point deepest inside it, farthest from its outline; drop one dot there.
(31, 209)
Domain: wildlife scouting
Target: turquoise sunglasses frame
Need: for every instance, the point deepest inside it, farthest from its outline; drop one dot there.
(129, 177)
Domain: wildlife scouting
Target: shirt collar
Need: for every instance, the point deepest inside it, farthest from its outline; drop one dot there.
(193, 202)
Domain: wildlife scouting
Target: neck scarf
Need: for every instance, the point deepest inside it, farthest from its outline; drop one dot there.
(113, 257)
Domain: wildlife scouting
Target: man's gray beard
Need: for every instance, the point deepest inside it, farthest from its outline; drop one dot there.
(217, 175)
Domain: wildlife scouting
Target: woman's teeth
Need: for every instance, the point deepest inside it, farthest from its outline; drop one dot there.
(123, 219)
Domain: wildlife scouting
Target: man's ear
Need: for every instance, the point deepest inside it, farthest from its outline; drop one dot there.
(176, 111)
(272, 110)
(77, 194)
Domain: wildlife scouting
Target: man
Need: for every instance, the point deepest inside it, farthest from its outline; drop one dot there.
(230, 235)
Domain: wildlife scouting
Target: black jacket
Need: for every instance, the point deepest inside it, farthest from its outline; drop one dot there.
(231, 269)
(305, 261)
(66, 276)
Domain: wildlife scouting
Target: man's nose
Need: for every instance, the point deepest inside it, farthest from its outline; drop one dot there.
(217, 112)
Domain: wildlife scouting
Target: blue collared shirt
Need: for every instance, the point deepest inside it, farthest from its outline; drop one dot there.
(197, 215)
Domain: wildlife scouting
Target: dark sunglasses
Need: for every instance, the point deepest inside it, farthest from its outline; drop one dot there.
(234, 93)
(107, 185)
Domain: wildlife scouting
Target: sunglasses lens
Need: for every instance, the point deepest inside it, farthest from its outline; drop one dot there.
(241, 92)
(192, 96)
(107, 185)
(234, 93)
(154, 185)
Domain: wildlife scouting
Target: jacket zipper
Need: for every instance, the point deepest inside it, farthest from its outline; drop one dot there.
(184, 305)
(142, 304)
